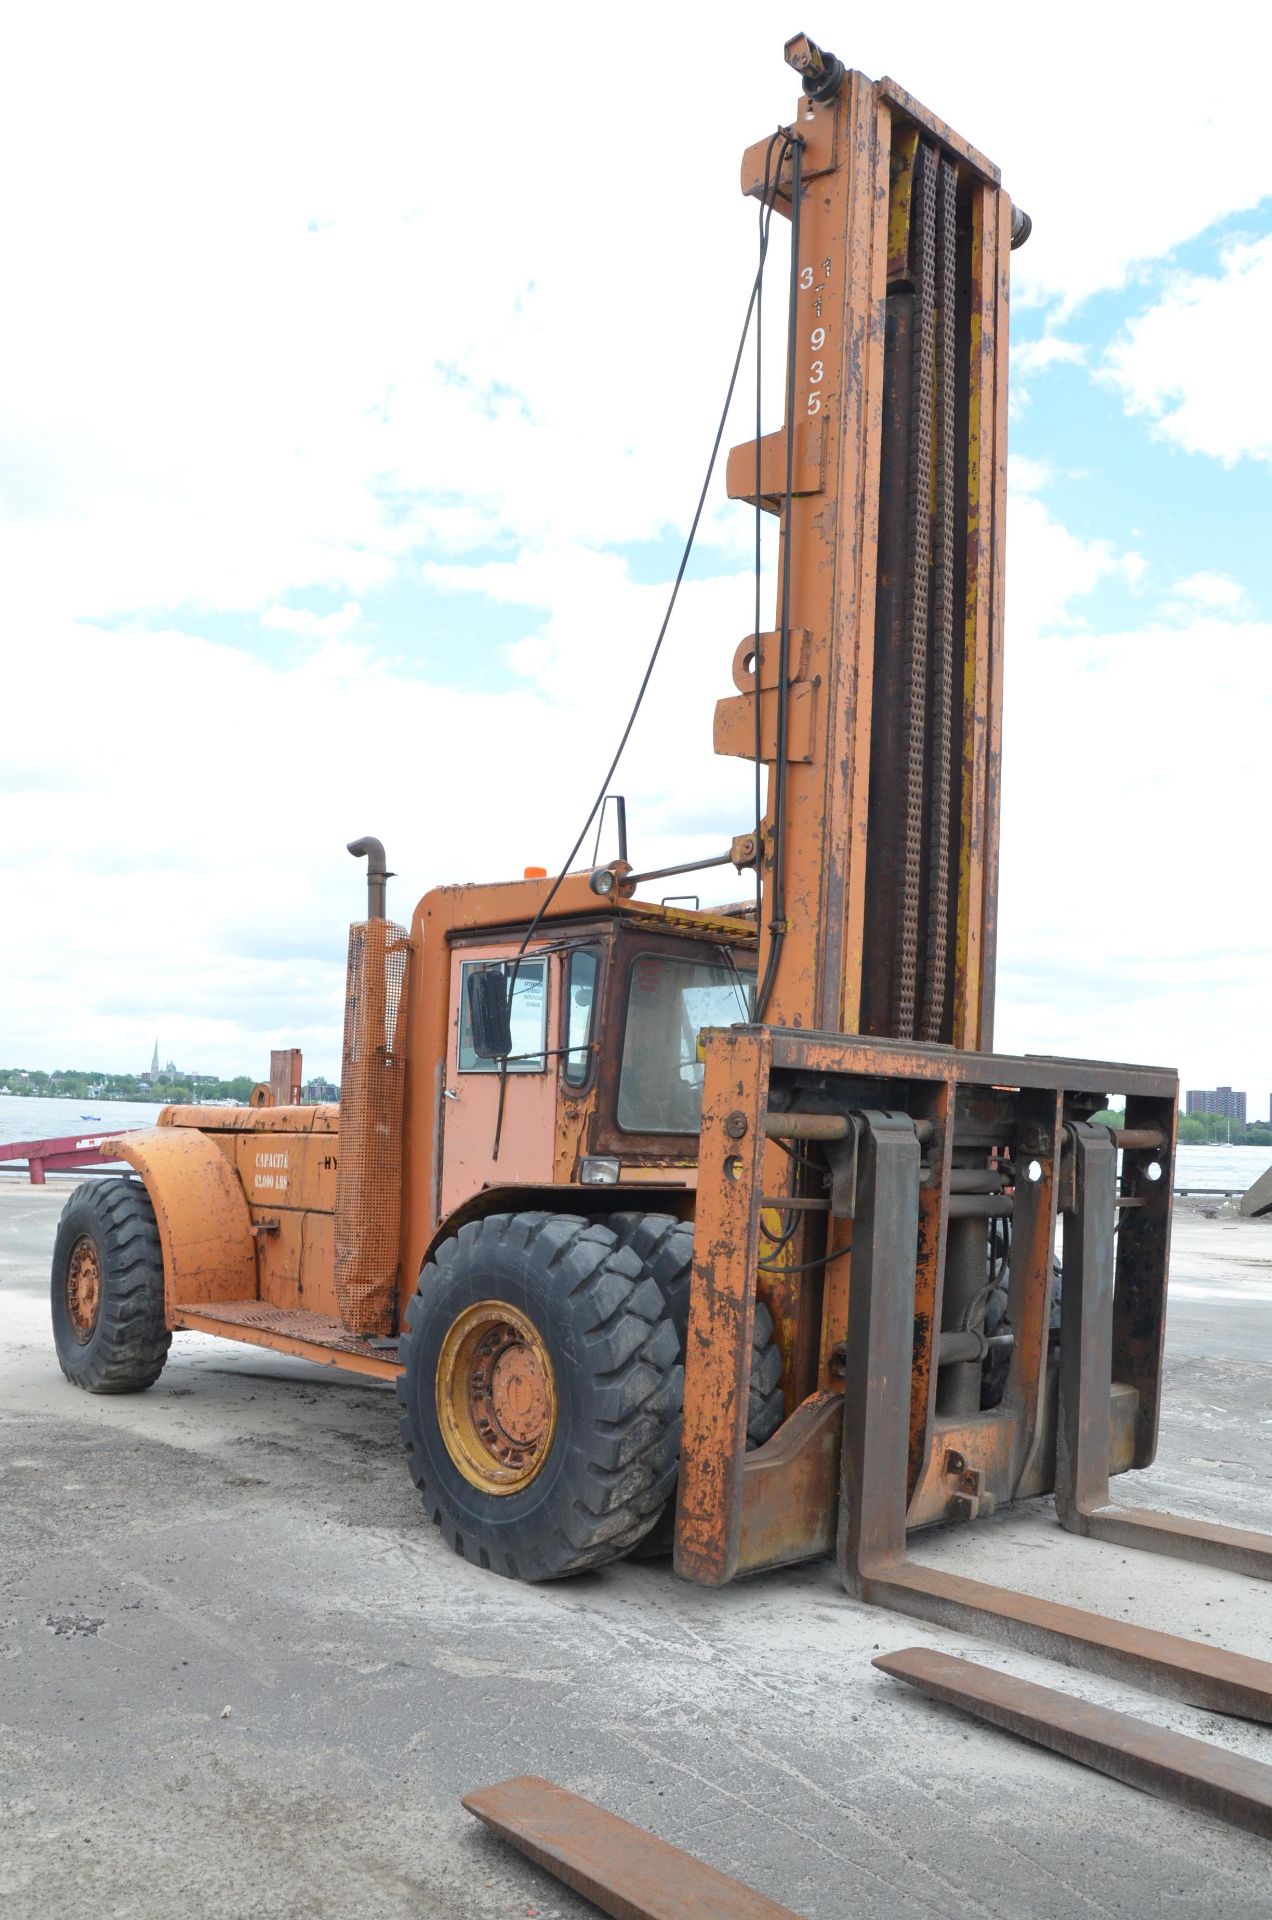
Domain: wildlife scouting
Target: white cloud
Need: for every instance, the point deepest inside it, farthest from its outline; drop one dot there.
(1209, 592)
(1051, 570)
(1036, 356)
(1129, 925)
(275, 322)
(1193, 361)
(1030, 358)
(188, 804)
(301, 301)
(1027, 474)
(313, 625)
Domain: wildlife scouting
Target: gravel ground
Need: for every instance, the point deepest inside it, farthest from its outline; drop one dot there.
(241, 1676)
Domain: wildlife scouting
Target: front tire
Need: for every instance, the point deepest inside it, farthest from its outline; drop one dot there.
(540, 1395)
(109, 1326)
(664, 1246)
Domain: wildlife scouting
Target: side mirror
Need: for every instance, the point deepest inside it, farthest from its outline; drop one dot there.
(489, 1020)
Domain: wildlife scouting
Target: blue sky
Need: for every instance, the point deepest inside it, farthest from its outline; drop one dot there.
(345, 458)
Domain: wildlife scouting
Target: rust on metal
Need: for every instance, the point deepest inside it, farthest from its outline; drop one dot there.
(372, 1088)
(791, 1488)
(84, 1288)
(727, 1234)
(828, 551)
(300, 1331)
(286, 1073)
(1166, 1663)
(1171, 1765)
(626, 1872)
(958, 1107)
(807, 1126)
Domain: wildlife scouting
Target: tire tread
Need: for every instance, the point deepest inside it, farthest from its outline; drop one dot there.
(130, 1344)
(633, 1354)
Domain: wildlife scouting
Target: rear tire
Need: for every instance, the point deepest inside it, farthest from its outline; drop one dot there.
(528, 1493)
(109, 1326)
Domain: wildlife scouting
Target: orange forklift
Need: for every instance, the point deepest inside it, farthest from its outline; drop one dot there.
(726, 1232)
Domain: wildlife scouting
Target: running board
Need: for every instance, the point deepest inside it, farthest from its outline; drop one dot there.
(295, 1330)
(622, 1869)
(872, 1520)
(1171, 1765)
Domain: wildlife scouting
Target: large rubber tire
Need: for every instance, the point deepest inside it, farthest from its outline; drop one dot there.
(664, 1246)
(112, 1223)
(618, 1380)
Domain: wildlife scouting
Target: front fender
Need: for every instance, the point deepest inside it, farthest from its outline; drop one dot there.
(597, 1201)
(205, 1228)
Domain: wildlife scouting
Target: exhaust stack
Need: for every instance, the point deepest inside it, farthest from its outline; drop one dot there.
(377, 872)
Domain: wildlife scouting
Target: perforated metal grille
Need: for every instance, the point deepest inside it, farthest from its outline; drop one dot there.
(369, 1169)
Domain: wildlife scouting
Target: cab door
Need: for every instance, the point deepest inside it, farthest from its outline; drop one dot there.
(470, 1098)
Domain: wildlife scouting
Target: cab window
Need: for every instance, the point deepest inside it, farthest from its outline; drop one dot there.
(528, 1014)
(580, 1003)
(669, 1002)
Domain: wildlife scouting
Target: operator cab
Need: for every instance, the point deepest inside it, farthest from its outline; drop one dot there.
(583, 1049)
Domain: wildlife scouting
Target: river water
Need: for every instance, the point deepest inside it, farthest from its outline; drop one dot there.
(35, 1119)
(1233, 1168)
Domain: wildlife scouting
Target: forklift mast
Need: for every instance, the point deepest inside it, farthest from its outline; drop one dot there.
(880, 688)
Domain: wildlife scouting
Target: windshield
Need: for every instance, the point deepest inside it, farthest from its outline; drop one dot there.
(669, 1002)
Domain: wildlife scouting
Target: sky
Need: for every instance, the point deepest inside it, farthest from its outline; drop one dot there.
(358, 369)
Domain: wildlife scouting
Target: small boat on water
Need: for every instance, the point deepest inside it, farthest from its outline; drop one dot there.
(90, 1116)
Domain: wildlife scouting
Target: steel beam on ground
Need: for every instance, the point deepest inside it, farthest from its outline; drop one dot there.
(625, 1871)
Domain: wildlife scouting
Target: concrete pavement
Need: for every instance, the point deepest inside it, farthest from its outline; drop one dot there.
(244, 1536)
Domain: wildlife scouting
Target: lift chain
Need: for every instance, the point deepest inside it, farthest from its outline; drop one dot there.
(940, 768)
(918, 563)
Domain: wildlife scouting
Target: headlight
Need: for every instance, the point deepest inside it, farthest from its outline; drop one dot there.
(598, 1171)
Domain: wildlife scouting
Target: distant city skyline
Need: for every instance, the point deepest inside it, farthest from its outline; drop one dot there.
(1228, 1102)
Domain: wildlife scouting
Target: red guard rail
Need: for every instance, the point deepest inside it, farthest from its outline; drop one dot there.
(60, 1156)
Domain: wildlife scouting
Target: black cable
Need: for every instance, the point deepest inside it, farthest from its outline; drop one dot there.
(803, 1266)
(784, 1235)
(800, 1157)
(757, 286)
(731, 968)
(777, 890)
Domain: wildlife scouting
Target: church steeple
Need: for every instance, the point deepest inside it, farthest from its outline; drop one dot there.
(154, 1064)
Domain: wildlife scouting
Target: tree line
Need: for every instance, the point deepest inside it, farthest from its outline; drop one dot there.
(73, 1083)
(1203, 1129)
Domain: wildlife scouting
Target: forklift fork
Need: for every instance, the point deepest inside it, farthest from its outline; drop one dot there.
(872, 1537)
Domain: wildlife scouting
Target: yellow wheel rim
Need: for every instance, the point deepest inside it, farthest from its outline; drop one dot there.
(496, 1397)
(83, 1289)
